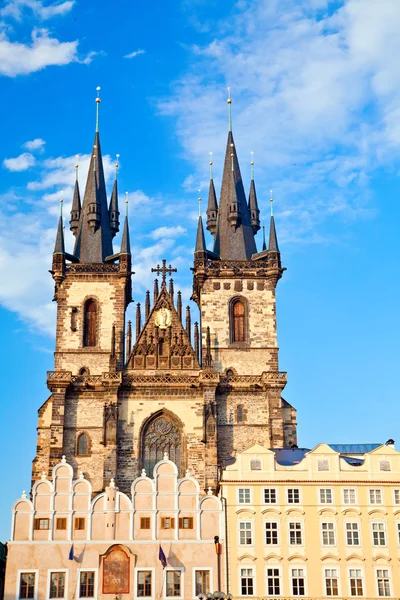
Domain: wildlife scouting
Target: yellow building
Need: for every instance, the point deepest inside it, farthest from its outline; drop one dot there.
(313, 523)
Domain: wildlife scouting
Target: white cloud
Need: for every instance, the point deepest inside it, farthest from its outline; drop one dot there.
(36, 144)
(135, 53)
(167, 232)
(20, 163)
(15, 8)
(44, 51)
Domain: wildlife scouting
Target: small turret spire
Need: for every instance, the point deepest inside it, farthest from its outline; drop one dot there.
(200, 238)
(59, 247)
(113, 211)
(229, 101)
(253, 204)
(125, 242)
(273, 239)
(264, 245)
(97, 108)
(212, 207)
(76, 203)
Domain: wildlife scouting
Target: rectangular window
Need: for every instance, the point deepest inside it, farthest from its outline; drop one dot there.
(293, 496)
(328, 534)
(144, 522)
(271, 533)
(295, 533)
(173, 583)
(273, 582)
(245, 533)
(298, 582)
(61, 524)
(144, 584)
(325, 496)
(42, 523)
(270, 496)
(79, 523)
(383, 582)
(398, 533)
(86, 584)
(356, 582)
(57, 585)
(202, 579)
(27, 585)
(349, 496)
(384, 465)
(167, 523)
(246, 582)
(352, 534)
(375, 496)
(185, 522)
(331, 582)
(379, 534)
(244, 495)
(396, 496)
(323, 464)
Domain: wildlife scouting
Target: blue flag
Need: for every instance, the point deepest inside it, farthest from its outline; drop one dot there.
(161, 557)
(71, 552)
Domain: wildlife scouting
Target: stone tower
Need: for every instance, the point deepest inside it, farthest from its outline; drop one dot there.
(120, 403)
(234, 288)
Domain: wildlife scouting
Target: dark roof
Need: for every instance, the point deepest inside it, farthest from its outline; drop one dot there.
(289, 456)
(200, 238)
(114, 198)
(59, 247)
(212, 198)
(76, 201)
(354, 448)
(125, 242)
(94, 246)
(273, 240)
(233, 243)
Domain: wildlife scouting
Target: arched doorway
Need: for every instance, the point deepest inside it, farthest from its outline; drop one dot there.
(161, 435)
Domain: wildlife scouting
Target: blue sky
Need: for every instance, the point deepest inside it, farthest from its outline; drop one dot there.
(316, 96)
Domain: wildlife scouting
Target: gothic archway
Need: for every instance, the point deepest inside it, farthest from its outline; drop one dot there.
(162, 434)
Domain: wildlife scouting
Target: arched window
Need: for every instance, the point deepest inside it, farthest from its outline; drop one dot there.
(161, 435)
(82, 447)
(239, 413)
(238, 321)
(90, 323)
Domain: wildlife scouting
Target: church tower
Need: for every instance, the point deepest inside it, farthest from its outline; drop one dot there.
(234, 288)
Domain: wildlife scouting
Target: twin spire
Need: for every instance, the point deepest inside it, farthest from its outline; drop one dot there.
(95, 222)
(235, 222)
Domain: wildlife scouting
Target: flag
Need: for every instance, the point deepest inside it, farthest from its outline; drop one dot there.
(161, 557)
(71, 553)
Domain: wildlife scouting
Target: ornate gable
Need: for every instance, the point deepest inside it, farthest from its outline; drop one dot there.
(163, 342)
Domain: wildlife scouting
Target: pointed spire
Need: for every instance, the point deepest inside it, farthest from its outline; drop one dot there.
(188, 323)
(138, 320)
(128, 339)
(147, 305)
(264, 245)
(76, 204)
(253, 204)
(273, 239)
(59, 247)
(125, 242)
(229, 101)
(234, 238)
(97, 108)
(212, 207)
(200, 238)
(113, 207)
(179, 306)
(155, 291)
(196, 341)
(94, 237)
(171, 289)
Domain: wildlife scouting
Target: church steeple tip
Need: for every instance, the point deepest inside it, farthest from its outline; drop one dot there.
(273, 238)
(126, 242)
(253, 203)
(76, 204)
(212, 207)
(59, 247)
(200, 237)
(113, 208)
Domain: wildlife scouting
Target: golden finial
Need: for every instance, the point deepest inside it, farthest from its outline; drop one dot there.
(252, 164)
(229, 101)
(77, 166)
(97, 107)
(211, 164)
(116, 166)
(126, 203)
(199, 201)
(61, 203)
(271, 202)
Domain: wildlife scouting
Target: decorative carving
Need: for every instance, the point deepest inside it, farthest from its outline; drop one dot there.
(116, 572)
(162, 439)
(163, 318)
(93, 268)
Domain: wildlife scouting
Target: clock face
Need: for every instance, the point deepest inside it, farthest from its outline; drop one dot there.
(163, 318)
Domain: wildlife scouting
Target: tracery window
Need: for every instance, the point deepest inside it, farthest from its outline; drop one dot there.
(161, 436)
(90, 323)
(82, 448)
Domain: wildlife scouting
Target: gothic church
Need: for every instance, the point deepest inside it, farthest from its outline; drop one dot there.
(120, 399)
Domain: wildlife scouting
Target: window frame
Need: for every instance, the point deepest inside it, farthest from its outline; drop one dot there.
(254, 578)
(276, 496)
(377, 522)
(389, 570)
(287, 496)
(320, 501)
(143, 521)
(250, 490)
(397, 525)
(172, 524)
(328, 531)
(182, 572)
(36, 585)
(396, 491)
(80, 435)
(78, 582)
(355, 496)
(279, 569)
(211, 578)
(382, 497)
(278, 533)
(291, 569)
(57, 519)
(78, 521)
(181, 523)
(351, 522)
(135, 582)
(48, 586)
(337, 577)
(301, 523)
(246, 529)
(84, 323)
(245, 342)
(37, 521)
(358, 568)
